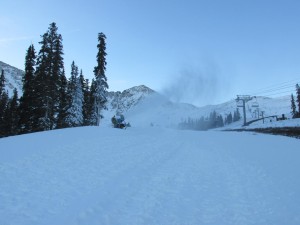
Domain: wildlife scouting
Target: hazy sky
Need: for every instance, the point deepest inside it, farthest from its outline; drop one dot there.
(217, 49)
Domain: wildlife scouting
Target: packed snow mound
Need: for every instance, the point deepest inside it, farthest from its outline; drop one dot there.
(13, 78)
(98, 175)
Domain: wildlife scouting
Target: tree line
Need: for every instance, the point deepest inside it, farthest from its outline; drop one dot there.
(50, 100)
(212, 121)
(295, 113)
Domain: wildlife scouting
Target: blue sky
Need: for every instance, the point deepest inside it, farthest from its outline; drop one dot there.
(216, 49)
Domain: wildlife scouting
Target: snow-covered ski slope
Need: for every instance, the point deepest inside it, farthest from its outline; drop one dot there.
(157, 111)
(101, 175)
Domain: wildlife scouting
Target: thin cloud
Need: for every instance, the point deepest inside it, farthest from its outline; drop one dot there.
(14, 39)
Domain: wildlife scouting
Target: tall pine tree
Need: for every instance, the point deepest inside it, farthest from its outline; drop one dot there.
(63, 103)
(86, 99)
(101, 85)
(50, 68)
(27, 100)
(75, 114)
(88, 103)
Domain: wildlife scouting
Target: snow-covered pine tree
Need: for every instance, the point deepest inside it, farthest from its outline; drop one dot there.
(75, 114)
(101, 85)
(26, 101)
(49, 70)
(86, 98)
(293, 107)
(63, 103)
(78, 102)
(92, 107)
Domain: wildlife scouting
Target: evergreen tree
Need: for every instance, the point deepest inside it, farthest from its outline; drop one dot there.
(9, 125)
(75, 114)
(82, 80)
(86, 99)
(2, 82)
(4, 100)
(41, 88)
(92, 106)
(63, 103)
(236, 115)
(213, 119)
(78, 101)
(49, 70)
(229, 118)
(220, 121)
(12, 115)
(26, 101)
(100, 78)
(293, 107)
(298, 98)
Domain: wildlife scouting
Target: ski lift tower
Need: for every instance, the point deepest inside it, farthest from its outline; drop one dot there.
(241, 102)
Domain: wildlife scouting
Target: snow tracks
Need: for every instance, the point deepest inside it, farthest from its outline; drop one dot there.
(147, 176)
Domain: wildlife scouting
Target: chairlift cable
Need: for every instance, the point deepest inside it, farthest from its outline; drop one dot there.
(291, 82)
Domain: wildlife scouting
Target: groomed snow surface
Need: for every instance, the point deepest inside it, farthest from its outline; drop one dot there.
(101, 175)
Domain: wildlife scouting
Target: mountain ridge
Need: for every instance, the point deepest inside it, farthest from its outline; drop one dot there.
(144, 106)
(13, 78)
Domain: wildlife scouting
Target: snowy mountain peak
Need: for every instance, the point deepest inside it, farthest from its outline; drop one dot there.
(140, 88)
(123, 101)
(13, 78)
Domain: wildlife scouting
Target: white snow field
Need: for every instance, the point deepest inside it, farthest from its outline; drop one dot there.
(101, 175)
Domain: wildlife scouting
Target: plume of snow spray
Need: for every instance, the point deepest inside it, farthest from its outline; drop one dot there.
(196, 86)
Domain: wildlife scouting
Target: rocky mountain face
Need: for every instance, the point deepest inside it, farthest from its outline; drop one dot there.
(123, 101)
(13, 78)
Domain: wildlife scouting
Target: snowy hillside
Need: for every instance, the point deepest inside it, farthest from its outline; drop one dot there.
(149, 176)
(156, 110)
(13, 78)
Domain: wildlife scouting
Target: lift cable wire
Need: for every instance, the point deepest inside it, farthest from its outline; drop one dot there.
(291, 82)
(276, 88)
